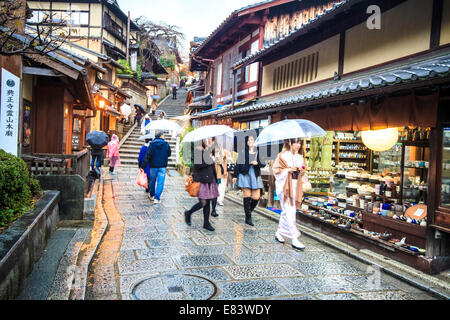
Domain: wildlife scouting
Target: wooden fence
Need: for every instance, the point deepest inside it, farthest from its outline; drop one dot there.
(59, 164)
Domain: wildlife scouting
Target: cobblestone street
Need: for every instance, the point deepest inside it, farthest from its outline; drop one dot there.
(148, 252)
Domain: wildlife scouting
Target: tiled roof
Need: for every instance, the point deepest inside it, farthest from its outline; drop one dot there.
(292, 34)
(407, 73)
(207, 39)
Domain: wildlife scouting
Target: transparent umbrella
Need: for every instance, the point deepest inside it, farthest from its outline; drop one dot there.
(147, 136)
(207, 132)
(289, 129)
(165, 125)
(126, 110)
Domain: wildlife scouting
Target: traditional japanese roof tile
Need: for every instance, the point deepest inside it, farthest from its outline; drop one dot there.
(434, 67)
(288, 37)
(233, 14)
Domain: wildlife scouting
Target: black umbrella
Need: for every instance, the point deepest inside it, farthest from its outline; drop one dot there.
(97, 139)
(139, 106)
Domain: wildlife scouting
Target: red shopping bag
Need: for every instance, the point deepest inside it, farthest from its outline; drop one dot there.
(142, 180)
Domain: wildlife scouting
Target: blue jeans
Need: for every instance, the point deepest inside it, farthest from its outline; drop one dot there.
(98, 164)
(157, 178)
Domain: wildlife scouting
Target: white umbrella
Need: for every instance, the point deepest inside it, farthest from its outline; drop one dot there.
(289, 129)
(164, 125)
(147, 136)
(207, 132)
(126, 110)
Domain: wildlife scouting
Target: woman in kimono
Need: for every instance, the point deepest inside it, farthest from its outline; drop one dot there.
(289, 170)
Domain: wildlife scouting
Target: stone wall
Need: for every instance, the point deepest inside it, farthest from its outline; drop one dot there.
(22, 244)
(71, 202)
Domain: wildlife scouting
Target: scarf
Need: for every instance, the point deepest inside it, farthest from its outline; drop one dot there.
(288, 190)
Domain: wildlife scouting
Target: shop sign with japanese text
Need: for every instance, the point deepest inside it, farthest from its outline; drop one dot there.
(9, 117)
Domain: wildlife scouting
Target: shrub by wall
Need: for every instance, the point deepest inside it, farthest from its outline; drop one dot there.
(17, 188)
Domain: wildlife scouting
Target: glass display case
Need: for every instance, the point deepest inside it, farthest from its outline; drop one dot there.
(388, 160)
(445, 187)
(415, 169)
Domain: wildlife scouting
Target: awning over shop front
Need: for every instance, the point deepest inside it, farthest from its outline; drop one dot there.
(365, 98)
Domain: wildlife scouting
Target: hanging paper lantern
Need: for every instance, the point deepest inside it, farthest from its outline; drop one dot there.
(380, 140)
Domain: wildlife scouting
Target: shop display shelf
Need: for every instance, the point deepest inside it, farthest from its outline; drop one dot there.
(361, 234)
(348, 141)
(331, 212)
(416, 168)
(415, 234)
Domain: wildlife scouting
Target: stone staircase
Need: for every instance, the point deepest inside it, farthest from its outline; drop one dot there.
(129, 152)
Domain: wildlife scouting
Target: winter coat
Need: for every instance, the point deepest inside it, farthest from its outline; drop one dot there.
(157, 155)
(243, 164)
(141, 158)
(205, 172)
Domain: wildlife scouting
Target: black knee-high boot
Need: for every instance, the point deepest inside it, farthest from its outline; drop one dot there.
(248, 211)
(206, 211)
(213, 210)
(254, 204)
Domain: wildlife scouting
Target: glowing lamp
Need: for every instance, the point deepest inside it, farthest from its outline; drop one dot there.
(102, 104)
(380, 140)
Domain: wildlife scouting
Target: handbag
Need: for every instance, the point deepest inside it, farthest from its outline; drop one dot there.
(307, 187)
(192, 187)
(142, 179)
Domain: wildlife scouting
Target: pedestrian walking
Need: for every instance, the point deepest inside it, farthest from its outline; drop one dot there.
(247, 176)
(138, 116)
(226, 160)
(289, 170)
(205, 173)
(144, 123)
(174, 93)
(162, 115)
(141, 157)
(157, 157)
(113, 154)
(97, 140)
(217, 154)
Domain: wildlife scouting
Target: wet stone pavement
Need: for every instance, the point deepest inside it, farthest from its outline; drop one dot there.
(152, 254)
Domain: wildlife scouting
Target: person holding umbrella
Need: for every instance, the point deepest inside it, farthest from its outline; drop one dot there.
(289, 171)
(247, 176)
(205, 173)
(139, 114)
(157, 157)
(97, 140)
(142, 152)
(174, 92)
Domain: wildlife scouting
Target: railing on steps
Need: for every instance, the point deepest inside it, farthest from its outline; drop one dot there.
(58, 164)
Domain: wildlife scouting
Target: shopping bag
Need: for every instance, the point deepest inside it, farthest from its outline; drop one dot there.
(141, 179)
(192, 187)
